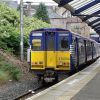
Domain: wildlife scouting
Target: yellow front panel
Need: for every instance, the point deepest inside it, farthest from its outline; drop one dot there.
(51, 59)
(37, 59)
(63, 60)
(58, 60)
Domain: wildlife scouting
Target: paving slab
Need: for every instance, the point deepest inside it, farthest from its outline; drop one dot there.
(91, 91)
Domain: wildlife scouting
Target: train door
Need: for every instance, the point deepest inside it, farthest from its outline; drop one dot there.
(76, 52)
(85, 51)
(37, 51)
(63, 53)
(89, 50)
(92, 50)
(81, 51)
(50, 46)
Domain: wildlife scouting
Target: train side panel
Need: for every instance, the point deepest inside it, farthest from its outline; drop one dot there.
(78, 52)
(72, 52)
(81, 51)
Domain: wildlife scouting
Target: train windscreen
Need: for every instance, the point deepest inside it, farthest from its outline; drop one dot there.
(37, 41)
(63, 42)
(50, 41)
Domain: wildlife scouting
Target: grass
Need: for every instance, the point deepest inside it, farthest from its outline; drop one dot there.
(3, 76)
(8, 71)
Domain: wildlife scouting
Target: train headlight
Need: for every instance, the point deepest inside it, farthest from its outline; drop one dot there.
(33, 63)
(60, 63)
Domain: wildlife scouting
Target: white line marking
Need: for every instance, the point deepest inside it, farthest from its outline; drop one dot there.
(73, 81)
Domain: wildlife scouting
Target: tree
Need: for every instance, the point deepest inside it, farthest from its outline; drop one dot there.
(9, 29)
(41, 13)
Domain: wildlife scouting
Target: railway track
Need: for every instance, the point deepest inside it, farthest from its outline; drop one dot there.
(32, 92)
(25, 95)
(39, 89)
(35, 91)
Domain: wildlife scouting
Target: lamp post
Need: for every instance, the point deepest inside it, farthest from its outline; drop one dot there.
(21, 31)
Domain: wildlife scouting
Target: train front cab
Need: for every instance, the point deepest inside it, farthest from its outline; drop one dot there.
(50, 52)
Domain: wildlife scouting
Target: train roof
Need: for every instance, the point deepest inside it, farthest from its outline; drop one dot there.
(80, 35)
(60, 29)
(50, 29)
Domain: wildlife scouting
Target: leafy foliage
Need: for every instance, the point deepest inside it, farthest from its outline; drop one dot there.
(41, 13)
(10, 29)
(8, 71)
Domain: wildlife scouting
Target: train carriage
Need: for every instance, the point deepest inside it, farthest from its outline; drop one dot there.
(54, 51)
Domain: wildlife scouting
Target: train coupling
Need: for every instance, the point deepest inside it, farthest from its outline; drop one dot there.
(49, 76)
(49, 80)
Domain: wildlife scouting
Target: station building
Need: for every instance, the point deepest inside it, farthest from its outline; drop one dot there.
(59, 17)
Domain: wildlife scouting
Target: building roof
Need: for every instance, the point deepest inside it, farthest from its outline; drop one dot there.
(52, 14)
(37, 2)
(87, 10)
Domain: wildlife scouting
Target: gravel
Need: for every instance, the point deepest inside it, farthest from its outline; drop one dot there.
(15, 89)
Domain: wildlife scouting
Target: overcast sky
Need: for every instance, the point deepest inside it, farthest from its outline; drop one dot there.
(38, 1)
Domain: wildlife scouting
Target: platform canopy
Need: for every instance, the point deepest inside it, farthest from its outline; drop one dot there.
(87, 10)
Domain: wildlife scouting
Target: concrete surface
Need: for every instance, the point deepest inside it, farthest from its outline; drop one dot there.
(91, 91)
(68, 88)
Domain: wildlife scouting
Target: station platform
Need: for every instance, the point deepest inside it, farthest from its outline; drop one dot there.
(84, 85)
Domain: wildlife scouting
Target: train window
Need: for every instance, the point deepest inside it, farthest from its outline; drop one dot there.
(51, 42)
(81, 47)
(63, 43)
(94, 49)
(51, 45)
(88, 48)
(36, 43)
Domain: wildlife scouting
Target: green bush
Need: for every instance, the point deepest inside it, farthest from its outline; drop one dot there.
(10, 29)
(15, 74)
(8, 71)
(3, 77)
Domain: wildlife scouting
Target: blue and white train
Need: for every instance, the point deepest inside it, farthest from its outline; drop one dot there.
(55, 50)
